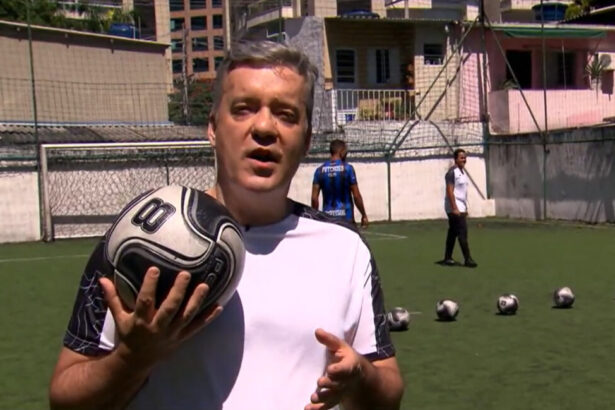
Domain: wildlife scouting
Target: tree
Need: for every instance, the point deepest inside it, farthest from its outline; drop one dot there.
(200, 99)
(42, 12)
(49, 13)
(579, 8)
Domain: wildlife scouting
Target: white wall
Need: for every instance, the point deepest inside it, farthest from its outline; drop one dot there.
(20, 207)
(417, 188)
(417, 192)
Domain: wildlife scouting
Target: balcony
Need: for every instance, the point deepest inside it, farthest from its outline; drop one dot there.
(350, 105)
(262, 12)
(565, 108)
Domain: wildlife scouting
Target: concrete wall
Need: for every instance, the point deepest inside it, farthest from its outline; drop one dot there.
(81, 77)
(417, 188)
(20, 220)
(579, 177)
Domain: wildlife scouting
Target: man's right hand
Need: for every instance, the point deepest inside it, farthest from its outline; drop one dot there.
(456, 212)
(147, 334)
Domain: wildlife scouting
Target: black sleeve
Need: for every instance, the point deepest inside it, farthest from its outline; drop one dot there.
(86, 322)
(450, 177)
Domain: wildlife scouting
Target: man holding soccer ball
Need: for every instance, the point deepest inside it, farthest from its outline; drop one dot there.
(300, 332)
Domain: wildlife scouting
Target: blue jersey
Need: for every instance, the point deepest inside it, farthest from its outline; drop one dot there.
(335, 179)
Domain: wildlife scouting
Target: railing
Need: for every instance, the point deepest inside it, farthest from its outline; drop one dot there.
(371, 105)
(263, 7)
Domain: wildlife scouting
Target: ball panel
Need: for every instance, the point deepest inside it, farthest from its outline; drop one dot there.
(202, 239)
(563, 297)
(447, 309)
(398, 319)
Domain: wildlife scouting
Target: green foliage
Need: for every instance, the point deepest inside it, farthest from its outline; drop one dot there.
(200, 98)
(49, 13)
(596, 66)
(579, 8)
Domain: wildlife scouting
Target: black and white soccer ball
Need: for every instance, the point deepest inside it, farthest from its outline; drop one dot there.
(176, 228)
(508, 304)
(447, 309)
(398, 319)
(563, 297)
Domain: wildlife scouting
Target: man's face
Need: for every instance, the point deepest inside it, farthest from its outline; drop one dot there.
(460, 161)
(260, 129)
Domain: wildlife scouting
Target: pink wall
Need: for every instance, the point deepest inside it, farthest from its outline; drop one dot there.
(578, 105)
(566, 109)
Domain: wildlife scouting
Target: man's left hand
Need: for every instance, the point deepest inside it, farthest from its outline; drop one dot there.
(364, 221)
(341, 376)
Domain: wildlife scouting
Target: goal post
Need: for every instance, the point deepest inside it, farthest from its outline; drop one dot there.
(85, 186)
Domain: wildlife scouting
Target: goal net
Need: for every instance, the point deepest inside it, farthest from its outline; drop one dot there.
(85, 186)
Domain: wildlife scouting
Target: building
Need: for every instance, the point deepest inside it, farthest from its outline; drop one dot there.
(197, 37)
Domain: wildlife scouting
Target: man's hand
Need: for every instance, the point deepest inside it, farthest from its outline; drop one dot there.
(148, 334)
(364, 221)
(456, 212)
(341, 376)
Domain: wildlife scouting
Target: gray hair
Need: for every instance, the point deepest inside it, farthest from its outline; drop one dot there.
(266, 54)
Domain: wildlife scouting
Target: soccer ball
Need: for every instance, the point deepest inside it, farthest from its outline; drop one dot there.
(447, 309)
(398, 319)
(176, 228)
(563, 297)
(508, 304)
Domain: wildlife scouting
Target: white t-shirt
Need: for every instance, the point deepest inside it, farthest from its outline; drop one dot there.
(305, 272)
(459, 179)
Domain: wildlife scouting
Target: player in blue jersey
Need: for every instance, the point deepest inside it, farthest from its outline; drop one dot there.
(338, 182)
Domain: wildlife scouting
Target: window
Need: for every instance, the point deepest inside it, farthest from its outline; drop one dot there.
(218, 43)
(200, 64)
(521, 64)
(176, 45)
(217, 20)
(565, 70)
(196, 4)
(198, 23)
(383, 66)
(177, 66)
(217, 61)
(216, 3)
(433, 54)
(199, 44)
(176, 5)
(177, 24)
(345, 66)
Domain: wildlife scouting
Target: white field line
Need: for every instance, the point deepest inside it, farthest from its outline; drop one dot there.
(42, 258)
(383, 235)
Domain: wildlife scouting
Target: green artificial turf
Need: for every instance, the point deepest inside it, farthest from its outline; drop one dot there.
(540, 358)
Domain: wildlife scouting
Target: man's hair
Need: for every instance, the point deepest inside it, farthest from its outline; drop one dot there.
(336, 146)
(259, 54)
(457, 152)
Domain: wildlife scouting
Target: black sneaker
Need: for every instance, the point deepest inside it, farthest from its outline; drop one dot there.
(448, 262)
(470, 263)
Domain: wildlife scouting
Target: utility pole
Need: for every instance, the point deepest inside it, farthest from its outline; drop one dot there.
(280, 22)
(185, 103)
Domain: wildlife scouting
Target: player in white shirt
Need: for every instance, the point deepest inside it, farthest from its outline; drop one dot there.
(456, 207)
(306, 327)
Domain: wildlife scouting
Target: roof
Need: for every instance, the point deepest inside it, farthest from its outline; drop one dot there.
(20, 26)
(11, 134)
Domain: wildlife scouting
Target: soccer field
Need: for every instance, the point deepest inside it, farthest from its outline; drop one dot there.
(541, 358)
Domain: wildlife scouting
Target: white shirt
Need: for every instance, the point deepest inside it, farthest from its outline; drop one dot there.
(459, 179)
(300, 274)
